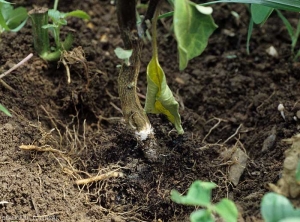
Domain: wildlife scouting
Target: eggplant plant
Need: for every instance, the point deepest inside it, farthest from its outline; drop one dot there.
(193, 26)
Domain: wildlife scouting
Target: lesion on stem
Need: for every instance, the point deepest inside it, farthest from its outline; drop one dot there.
(133, 112)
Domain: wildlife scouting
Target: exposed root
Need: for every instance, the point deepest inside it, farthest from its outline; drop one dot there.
(73, 57)
(99, 177)
(40, 149)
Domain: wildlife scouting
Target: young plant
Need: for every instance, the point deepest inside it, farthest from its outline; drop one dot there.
(275, 207)
(11, 19)
(44, 20)
(199, 195)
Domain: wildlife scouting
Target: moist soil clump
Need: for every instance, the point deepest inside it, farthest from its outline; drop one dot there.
(61, 133)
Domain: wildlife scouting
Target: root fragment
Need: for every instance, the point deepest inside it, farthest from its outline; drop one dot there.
(40, 149)
(99, 177)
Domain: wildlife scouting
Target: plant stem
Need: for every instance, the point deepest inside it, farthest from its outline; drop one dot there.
(55, 4)
(39, 17)
(133, 112)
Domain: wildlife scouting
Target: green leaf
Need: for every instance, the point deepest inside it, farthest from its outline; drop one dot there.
(201, 216)
(55, 15)
(123, 53)
(4, 110)
(227, 210)
(291, 219)
(275, 207)
(290, 5)
(17, 19)
(260, 13)
(199, 194)
(16, 16)
(2, 1)
(6, 10)
(78, 14)
(159, 97)
(287, 24)
(298, 173)
(192, 30)
(12, 19)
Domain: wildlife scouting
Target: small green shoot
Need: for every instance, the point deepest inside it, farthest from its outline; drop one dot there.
(52, 20)
(123, 54)
(4, 110)
(275, 207)
(199, 194)
(11, 19)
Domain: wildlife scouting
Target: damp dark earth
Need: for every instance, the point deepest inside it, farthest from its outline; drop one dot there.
(61, 133)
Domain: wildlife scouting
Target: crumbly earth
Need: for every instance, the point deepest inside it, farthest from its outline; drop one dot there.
(227, 99)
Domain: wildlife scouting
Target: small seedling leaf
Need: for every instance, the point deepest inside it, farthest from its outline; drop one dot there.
(260, 13)
(78, 14)
(227, 210)
(192, 30)
(201, 216)
(275, 207)
(199, 194)
(4, 110)
(57, 16)
(123, 53)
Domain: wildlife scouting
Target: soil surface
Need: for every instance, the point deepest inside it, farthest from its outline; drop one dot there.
(228, 101)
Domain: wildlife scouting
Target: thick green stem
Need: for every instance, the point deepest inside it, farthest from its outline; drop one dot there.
(133, 112)
(39, 17)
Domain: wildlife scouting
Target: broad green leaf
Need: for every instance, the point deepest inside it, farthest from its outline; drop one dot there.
(78, 14)
(290, 5)
(201, 216)
(159, 97)
(192, 30)
(290, 219)
(2, 1)
(298, 173)
(227, 210)
(4, 110)
(275, 207)
(260, 13)
(17, 19)
(199, 194)
(12, 19)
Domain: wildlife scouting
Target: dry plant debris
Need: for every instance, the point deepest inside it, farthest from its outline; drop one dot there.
(288, 185)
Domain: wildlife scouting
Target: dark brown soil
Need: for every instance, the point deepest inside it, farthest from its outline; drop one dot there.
(84, 123)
